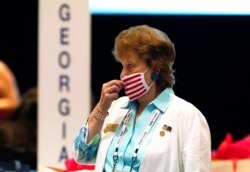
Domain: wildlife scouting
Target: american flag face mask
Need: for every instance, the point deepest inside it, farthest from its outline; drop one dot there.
(135, 85)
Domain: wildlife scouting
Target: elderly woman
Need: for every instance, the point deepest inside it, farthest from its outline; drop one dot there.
(149, 129)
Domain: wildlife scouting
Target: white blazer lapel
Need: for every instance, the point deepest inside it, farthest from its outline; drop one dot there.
(158, 144)
(115, 118)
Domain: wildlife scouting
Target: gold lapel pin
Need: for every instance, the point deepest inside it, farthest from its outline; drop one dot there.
(162, 133)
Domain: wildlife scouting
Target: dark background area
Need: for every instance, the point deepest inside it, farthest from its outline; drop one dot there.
(18, 40)
(212, 65)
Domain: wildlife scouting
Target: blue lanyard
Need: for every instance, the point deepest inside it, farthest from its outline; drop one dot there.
(143, 137)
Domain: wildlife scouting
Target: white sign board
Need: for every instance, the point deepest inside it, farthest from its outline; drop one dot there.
(64, 77)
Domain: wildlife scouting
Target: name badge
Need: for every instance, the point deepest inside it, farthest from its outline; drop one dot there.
(111, 128)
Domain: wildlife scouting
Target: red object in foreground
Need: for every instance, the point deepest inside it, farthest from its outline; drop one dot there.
(229, 150)
(71, 165)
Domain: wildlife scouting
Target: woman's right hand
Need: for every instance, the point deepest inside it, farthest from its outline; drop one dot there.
(110, 92)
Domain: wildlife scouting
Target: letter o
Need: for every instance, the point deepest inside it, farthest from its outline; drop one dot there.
(64, 59)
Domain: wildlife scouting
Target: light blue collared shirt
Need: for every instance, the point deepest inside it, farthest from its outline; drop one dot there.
(134, 132)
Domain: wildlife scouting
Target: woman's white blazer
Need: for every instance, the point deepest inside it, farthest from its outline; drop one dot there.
(186, 148)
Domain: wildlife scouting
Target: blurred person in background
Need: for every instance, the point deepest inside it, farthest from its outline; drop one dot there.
(18, 124)
(9, 92)
(18, 132)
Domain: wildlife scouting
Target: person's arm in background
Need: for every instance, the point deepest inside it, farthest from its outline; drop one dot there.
(9, 91)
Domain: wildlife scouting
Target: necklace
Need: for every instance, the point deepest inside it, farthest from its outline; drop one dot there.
(143, 137)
